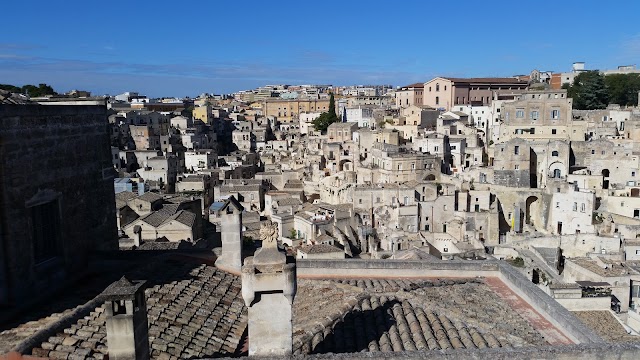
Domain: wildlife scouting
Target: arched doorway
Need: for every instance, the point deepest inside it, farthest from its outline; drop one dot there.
(430, 177)
(531, 210)
(346, 165)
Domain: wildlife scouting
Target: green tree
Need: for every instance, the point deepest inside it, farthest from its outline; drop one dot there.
(589, 91)
(327, 118)
(37, 91)
(10, 88)
(623, 88)
(32, 90)
(293, 234)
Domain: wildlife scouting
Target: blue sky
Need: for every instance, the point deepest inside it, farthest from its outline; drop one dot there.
(172, 48)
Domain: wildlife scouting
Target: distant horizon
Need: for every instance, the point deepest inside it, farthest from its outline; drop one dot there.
(222, 48)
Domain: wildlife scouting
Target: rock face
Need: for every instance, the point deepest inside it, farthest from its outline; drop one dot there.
(268, 289)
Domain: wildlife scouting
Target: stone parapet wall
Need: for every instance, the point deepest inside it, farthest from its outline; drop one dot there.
(547, 306)
(401, 268)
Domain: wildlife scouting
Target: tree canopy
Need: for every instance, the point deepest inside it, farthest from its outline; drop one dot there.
(589, 91)
(593, 90)
(623, 88)
(327, 118)
(31, 90)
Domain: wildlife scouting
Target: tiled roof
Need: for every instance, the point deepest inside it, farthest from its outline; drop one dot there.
(10, 98)
(122, 198)
(192, 312)
(363, 315)
(158, 217)
(415, 85)
(185, 217)
(487, 80)
(150, 197)
(196, 311)
(320, 249)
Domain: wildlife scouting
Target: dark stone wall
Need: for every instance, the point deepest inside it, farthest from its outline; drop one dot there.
(61, 150)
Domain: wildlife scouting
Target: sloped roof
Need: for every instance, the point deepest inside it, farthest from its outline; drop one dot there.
(123, 197)
(9, 98)
(150, 197)
(158, 217)
(232, 201)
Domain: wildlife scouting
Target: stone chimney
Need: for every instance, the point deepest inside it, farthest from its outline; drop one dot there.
(268, 289)
(231, 230)
(127, 328)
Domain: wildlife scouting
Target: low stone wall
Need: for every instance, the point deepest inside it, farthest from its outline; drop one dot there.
(355, 268)
(541, 302)
(547, 306)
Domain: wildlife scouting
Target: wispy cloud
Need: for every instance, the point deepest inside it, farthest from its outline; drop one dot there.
(225, 76)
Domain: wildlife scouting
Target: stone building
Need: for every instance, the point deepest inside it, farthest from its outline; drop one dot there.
(513, 164)
(57, 186)
(341, 132)
(289, 110)
(540, 115)
(444, 93)
(410, 95)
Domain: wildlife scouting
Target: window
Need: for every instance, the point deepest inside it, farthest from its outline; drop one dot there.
(377, 199)
(437, 100)
(437, 87)
(444, 229)
(517, 167)
(557, 205)
(534, 115)
(444, 207)
(575, 206)
(516, 150)
(520, 113)
(553, 131)
(582, 207)
(593, 152)
(554, 153)
(46, 231)
(555, 114)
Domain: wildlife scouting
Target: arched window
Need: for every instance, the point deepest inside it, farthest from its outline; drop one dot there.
(556, 173)
(437, 100)
(437, 87)
(554, 153)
